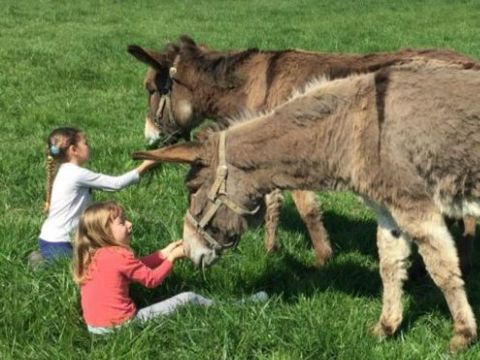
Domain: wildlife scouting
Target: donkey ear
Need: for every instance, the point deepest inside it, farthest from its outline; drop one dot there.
(204, 47)
(189, 153)
(186, 40)
(145, 56)
(188, 46)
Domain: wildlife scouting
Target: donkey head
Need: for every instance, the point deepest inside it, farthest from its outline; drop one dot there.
(182, 83)
(169, 84)
(220, 206)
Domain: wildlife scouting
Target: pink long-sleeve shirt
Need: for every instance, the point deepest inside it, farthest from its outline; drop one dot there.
(104, 293)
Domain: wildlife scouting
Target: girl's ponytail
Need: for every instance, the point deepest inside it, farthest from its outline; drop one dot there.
(58, 143)
(50, 166)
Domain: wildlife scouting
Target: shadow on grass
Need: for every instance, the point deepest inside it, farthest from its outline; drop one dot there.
(426, 297)
(289, 277)
(345, 234)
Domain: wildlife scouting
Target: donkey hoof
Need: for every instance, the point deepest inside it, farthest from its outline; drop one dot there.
(271, 248)
(461, 341)
(381, 331)
(321, 258)
(378, 331)
(320, 262)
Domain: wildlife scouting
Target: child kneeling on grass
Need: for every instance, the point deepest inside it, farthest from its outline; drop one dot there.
(70, 193)
(104, 265)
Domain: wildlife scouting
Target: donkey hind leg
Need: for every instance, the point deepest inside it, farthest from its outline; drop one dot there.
(465, 243)
(437, 248)
(309, 209)
(273, 202)
(393, 251)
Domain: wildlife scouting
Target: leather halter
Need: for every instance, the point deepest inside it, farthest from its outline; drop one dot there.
(218, 196)
(165, 102)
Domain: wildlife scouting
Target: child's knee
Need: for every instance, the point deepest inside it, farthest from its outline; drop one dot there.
(191, 297)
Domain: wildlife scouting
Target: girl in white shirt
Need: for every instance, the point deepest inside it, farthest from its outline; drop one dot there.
(70, 192)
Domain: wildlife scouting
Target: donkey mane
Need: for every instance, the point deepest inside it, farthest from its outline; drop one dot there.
(221, 67)
(310, 85)
(247, 115)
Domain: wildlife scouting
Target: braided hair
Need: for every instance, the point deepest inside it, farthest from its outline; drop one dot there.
(58, 143)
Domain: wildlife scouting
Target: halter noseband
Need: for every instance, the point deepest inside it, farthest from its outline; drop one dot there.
(218, 196)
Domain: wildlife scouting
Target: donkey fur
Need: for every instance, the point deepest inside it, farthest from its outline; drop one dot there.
(406, 139)
(222, 85)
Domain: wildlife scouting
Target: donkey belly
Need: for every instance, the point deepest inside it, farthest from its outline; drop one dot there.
(459, 207)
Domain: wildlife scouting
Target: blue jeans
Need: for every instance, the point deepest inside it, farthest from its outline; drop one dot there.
(52, 250)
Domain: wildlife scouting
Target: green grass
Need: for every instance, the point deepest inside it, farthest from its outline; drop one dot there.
(66, 64)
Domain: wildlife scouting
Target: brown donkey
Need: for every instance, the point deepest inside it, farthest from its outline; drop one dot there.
(187, 83)
(406, 139)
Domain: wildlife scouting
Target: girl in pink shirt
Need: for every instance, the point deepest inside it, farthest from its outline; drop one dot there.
(104, 265)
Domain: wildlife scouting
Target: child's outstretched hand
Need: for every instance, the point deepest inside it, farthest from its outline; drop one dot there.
(176, 253)
(146, 165)
(168, 249)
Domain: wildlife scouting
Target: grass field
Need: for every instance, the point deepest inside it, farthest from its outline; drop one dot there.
(65, 63)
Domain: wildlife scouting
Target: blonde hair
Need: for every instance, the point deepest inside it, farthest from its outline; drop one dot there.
(93, 233)
(57, 145)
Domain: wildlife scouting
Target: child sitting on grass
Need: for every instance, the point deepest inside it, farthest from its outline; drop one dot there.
(104, 265)
(70, 192)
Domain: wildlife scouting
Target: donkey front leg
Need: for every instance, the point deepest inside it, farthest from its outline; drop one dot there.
(309, 209)
(273, 202)
(437, 248)
(394, 251)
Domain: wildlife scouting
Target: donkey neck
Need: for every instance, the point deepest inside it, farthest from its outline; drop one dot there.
(239, 89)
(268, 78)
(219, 104)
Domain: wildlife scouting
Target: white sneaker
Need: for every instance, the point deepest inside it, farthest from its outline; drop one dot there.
(35, 259)
(260, 296)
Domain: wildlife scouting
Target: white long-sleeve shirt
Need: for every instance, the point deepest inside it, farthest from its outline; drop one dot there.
(71, 195)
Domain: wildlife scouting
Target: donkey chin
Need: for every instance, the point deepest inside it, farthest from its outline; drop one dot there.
(152, 134)
(200, 254)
